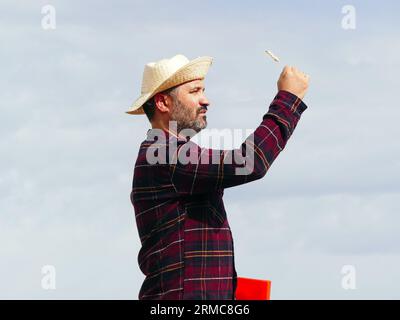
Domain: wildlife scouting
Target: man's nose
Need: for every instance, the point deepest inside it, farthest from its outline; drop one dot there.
(204, 101)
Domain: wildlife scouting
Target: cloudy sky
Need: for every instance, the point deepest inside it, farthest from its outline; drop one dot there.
(330, 200)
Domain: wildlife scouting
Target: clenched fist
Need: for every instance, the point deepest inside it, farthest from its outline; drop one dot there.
(294, 81)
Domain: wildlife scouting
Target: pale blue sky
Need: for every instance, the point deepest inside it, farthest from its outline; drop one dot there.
(68, 148)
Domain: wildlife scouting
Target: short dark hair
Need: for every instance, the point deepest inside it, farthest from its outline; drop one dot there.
(149, 107)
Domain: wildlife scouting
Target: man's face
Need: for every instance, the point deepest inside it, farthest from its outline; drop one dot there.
(190, 106)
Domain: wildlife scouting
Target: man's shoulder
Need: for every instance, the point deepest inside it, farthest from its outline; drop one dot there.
(160, 152)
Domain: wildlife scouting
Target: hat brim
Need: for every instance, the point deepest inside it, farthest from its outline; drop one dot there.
(195, 69)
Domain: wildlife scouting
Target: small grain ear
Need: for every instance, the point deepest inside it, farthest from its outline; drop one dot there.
(274, 57)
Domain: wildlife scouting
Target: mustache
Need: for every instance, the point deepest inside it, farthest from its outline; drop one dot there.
(201, 109)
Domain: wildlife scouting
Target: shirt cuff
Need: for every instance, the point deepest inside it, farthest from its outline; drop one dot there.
(290, 101)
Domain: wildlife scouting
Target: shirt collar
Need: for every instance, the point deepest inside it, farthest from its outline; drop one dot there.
(168, 135)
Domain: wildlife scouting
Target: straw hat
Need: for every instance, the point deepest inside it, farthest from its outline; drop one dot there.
(167, 73)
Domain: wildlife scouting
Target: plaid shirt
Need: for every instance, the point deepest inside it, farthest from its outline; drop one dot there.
(187, 246)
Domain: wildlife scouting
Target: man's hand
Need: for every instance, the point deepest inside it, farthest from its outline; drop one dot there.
(294, 81)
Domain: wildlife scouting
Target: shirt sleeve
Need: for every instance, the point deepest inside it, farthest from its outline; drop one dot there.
(201, 170)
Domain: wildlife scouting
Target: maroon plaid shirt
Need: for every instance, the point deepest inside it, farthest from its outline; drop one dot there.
(187, 245)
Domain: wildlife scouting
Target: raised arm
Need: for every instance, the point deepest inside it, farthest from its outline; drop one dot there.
(205, 170)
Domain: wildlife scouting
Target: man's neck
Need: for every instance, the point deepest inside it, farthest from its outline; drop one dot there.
(171, 131)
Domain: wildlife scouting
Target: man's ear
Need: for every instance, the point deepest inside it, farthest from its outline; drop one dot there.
(162, 102)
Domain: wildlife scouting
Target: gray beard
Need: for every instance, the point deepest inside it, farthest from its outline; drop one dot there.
(182, 115)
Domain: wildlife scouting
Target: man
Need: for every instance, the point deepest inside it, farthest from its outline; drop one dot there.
(187, 247)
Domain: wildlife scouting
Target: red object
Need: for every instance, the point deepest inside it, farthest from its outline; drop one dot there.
(252, 289)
